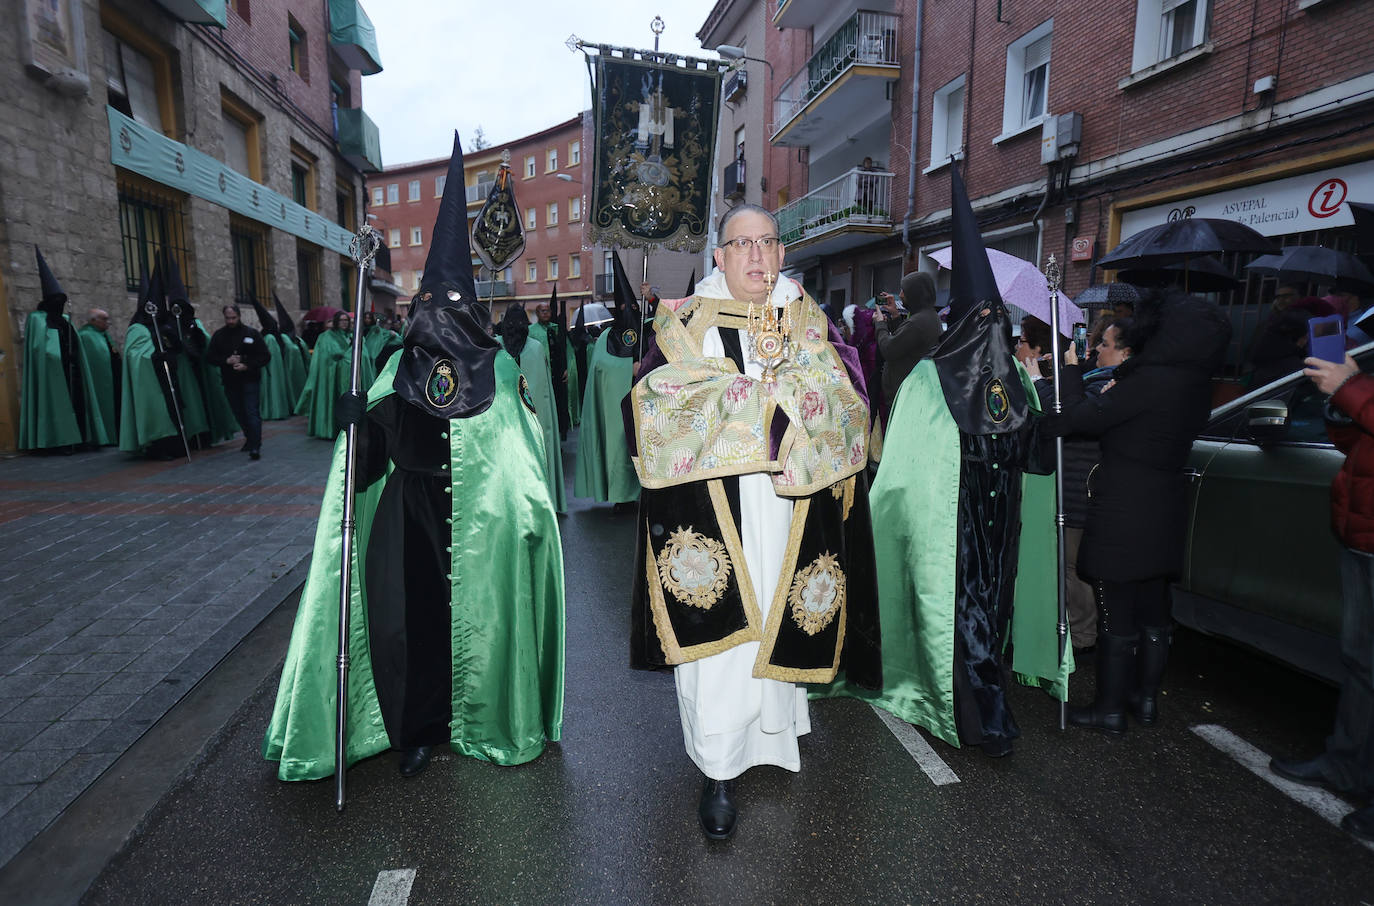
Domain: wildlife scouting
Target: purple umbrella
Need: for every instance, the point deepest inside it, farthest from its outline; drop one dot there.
(1021, 284)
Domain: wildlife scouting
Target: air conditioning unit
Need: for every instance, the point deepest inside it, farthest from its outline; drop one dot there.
(732, 180)
(735, 85)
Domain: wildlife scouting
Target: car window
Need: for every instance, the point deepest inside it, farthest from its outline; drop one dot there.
(1306, 412)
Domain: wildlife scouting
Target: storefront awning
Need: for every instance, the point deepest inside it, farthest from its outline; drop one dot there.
(352, 36)
(200, 12)
(360, 142)
(149, 153)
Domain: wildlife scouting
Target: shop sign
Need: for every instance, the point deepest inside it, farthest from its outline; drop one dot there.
(1296, 204)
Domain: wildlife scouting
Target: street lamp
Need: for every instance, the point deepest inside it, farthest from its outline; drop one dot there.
(737, 54)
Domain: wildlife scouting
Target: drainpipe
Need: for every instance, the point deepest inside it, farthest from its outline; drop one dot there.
(915, 108)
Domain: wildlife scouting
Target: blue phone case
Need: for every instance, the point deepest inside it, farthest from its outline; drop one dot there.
(1326, 338)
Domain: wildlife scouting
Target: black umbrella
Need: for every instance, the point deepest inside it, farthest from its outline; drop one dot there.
(1313, 264)
(1107, 295)
(1199, 275)
(1179, 241)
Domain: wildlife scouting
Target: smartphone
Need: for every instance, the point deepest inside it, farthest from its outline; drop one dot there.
(1326, 338)
(1080, 340)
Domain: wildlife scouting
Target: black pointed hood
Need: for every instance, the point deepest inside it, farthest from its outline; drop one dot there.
(284, 323)
(514, 329)
(53, 295)
(269, 323)
(178, 300)
(628, 324)
(558, 352)
(446, 366)
(149, 291)
(578, 333)
(975, 357)
(691, 284)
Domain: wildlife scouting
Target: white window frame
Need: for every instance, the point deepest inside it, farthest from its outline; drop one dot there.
(378, 194)
(942, 123)
(550, 160)
(393, 193)
(551, 267)
(413, 190)
(439, 182)
(574, 266)
(529, 167)
(574, 153)
(1152, 21)
(574, 208)
(531, 219)
(417, 236)
(1014, 118)
(551, 214)
(531, 271)
(393, 238)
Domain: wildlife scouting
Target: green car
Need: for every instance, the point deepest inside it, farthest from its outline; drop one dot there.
(1262, 564)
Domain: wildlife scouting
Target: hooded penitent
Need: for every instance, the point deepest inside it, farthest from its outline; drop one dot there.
(515, 329)
(625, 330)
(446, 364)
(975, 357)
(269, 323)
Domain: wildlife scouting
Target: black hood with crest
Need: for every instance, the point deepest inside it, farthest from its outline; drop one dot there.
(514, 329)
(446, 364)
(628, 325)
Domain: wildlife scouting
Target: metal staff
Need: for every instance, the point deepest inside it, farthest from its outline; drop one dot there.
(151, 308)
(1052, 279)
(362, 249)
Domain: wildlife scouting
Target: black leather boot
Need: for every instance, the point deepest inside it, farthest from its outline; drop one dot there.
(415, 760)
(1116, 657)
(1154, 656)
(717, 810)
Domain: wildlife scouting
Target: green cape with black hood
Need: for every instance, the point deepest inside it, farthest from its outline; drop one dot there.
(949, 505)
(60, 406)
(456, 630)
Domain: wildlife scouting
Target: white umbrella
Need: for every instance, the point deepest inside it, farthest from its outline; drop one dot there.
(1021, 284)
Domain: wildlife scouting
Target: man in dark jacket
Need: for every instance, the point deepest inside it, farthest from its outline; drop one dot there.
(1347, 764)
(241, 354)
(904, 342)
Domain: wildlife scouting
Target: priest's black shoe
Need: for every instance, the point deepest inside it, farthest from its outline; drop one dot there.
(717, 811)
(1308, 773)
(413, 761)
(1360, 823)
(255, 454)
(996, 746)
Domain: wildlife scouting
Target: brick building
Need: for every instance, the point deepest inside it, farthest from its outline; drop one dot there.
(550, 188)
(1261, 112)
(227, 134)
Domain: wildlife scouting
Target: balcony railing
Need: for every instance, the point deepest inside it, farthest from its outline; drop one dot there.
(605, 285)
(732, 180)
(867, 39)
(479, 192)
(858, 197)
(486, 289)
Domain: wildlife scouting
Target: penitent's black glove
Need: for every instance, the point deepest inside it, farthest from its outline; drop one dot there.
(350, 409)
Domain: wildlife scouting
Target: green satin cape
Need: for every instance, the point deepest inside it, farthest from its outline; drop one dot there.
(507, 634)
(328, 378)
(604, 469)
(534, 365)
(100, 361)
(219, 415)
(143, 414)
(46, 415)
(540, 332)
(275, 401)
(915, 508)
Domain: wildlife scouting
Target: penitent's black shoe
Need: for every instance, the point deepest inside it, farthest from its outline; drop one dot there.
(255, 454)
(996, 746)
(1360, 823)
(1309, 773)
(415, 760)
(717, 811)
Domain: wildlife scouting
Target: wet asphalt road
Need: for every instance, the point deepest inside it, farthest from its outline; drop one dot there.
(609, 815)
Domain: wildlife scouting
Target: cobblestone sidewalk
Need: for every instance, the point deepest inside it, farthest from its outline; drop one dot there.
(122, 583)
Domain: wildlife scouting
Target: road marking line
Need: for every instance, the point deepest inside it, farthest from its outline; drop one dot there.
(1328, 806)
(915, 744)
(392, 888)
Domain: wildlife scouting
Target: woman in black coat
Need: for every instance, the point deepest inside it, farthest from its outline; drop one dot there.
(1133, 539)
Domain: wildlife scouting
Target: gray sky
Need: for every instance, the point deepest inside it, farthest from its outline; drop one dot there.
(503, 67)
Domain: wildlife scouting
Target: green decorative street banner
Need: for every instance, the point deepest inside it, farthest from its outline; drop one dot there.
(655, 135)
(150, 153)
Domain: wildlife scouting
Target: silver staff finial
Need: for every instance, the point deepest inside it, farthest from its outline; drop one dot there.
(1053, 277)
(364, 245)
